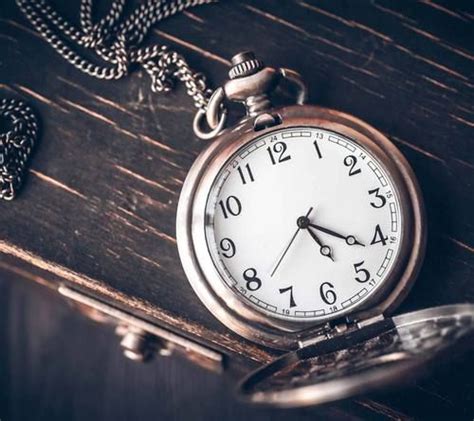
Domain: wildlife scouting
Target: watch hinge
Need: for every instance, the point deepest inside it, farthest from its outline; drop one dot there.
(346, 324)
(339, 327)
(323, 333)
(370, 320)
(336, 328)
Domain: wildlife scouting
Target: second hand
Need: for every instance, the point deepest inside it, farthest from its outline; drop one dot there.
(289, 245)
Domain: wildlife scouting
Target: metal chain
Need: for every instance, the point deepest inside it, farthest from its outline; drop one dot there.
(16, 144)
(117, 41)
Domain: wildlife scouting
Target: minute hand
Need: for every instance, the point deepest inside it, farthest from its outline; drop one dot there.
(350, 239)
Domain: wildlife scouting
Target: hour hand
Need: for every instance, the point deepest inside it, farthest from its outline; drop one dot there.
(352, 241)
(349, 239)
(324, 250)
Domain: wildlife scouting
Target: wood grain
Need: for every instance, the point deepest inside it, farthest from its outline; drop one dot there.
(99, 203)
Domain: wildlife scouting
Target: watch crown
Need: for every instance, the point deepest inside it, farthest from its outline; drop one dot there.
(244, 64)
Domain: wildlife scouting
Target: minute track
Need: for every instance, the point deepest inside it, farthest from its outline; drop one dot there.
(268, 209)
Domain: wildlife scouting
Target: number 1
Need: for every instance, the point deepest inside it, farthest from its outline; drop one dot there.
(318, 151)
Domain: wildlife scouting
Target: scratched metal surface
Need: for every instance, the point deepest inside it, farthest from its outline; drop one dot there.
(99, 203)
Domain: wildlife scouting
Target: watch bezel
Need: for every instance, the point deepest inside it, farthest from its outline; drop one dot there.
(200, 269)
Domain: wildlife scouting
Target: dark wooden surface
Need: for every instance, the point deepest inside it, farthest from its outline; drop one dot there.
(58, 365)
(99, 203)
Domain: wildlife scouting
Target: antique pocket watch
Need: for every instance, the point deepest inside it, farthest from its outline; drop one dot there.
(302, 229)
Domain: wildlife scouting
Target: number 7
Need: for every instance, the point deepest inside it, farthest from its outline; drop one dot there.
(292, 300)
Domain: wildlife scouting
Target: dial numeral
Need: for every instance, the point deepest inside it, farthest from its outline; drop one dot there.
(379, 237)
(253, 282)
(351, 161)
(292, 300)
(318, 151)
(278, 150)
(326, 290)
(244, 174)
(380, 197)
(364, 273)
(231, 206)
(227, 247)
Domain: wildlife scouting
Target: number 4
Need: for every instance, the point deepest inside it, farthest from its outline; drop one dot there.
(379, 237)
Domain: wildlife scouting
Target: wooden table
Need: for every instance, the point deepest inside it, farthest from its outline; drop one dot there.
(98, 207)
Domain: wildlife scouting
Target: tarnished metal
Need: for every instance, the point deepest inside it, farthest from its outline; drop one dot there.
(295, 77)
(387, 351)
(251, 84)
(142, 339)
(207, 135)
(136, 344)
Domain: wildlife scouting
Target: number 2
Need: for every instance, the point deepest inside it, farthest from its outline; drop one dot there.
(351, 161)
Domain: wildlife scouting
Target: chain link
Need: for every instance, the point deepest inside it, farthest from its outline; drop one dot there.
(16, 144)
(116, 41)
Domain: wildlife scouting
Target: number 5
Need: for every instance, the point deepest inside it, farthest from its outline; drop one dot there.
(365, 273)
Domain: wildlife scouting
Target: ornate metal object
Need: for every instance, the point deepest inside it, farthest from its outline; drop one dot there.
(250, 83)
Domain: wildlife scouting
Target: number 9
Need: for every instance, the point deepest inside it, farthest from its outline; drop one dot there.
(228, 247)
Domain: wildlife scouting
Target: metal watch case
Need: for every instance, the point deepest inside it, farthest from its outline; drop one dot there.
(393, 350)
(224, 303)
(334, 358)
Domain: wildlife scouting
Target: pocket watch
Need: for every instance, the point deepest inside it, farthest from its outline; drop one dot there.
(302, 229)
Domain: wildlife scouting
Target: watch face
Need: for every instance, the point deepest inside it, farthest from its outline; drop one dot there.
(304, 224)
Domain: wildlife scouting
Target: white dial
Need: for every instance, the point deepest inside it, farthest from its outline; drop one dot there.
(304, 224)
